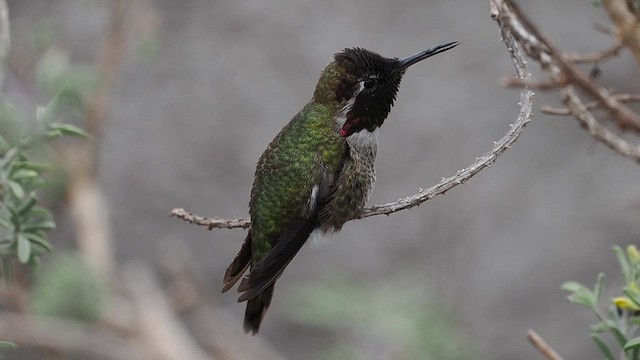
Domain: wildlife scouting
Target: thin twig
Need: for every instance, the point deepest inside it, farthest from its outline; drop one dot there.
(549, 110)
(605, 29)
(512, 81)
(484, 161)
(595, 129)
(595, 57)
(542, 346)
(210, 223)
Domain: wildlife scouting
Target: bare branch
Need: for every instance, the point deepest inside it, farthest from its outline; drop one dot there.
(500, 146)
(542, 346)
(559, 69)
(539, 47)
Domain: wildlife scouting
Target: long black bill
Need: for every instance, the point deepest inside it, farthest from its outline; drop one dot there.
(410, 60)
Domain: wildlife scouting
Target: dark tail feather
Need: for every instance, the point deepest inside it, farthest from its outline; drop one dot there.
(239, 265)
(256, 309)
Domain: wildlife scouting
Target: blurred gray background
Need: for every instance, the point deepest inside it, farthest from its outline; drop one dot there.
(188, 123)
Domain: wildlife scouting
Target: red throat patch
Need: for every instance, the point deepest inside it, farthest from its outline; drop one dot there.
(354, 124)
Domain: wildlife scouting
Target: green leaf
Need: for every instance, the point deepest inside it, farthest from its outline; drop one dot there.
(53, 134)
(580, 294)
(632, 344)
(4, 144)
(597, 289)
(23, 174)
(624, 264)
(39, 211)
(26, 206)
(70, 130)
(34, 165)
(34, 263)
(599, 327)
(44, 114)
(632, 293)
(16, 221)
(608, 355)
(24, 249)
(4, 222)
(618, 335)
(7, 345)
(572, 286)
(16, 189)
(39, 239)
(42, 225)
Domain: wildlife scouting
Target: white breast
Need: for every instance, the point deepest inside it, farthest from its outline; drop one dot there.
(365, 142)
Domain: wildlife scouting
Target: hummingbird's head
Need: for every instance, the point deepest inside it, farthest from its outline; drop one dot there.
(363, 85)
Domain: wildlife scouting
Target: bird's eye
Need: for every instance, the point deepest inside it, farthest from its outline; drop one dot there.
(369, 83)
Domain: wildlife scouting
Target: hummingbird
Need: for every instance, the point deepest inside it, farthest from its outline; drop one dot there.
(318, 172)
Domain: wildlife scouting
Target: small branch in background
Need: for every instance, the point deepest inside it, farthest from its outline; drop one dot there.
(563, 71)
(482, 162)
(159, 330)
(112, 49)
(5, 38)
(90, 213)
(605, 29)
(540, 46)
(542, 346)
(65, 335)
(549, 110)
(512, 81)
(595, 57)
(86, 200)
(627, 25)
(595, 129)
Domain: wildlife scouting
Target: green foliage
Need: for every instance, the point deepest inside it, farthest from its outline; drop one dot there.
(622, 318)
(24, 223)
(396, 319)
(68, 289)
